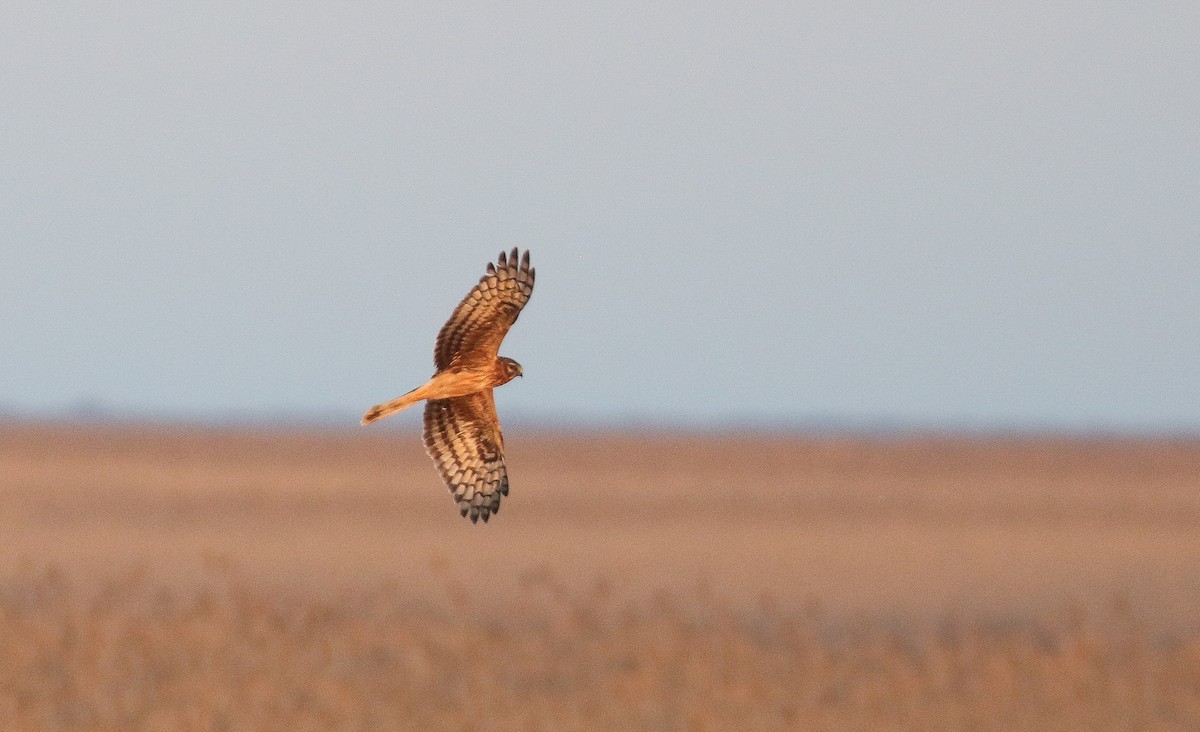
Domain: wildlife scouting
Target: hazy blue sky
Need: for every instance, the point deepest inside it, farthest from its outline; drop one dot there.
(929, 213)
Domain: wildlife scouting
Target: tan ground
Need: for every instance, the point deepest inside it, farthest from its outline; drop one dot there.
(631, 581)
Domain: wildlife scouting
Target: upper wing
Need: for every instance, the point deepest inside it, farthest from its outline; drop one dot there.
(462, 435)
(473, 333)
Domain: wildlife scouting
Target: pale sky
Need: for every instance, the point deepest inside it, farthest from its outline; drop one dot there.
(931, 214)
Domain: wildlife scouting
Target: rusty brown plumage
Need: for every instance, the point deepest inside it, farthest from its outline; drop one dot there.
(463, 437)
(462, 431)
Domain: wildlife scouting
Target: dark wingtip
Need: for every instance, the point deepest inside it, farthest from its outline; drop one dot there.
(502, 260)
(491, 268)
(512, 257)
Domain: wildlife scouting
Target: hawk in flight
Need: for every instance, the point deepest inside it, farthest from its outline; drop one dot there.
(462, 432)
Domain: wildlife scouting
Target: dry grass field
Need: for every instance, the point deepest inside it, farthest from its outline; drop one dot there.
(174, 578)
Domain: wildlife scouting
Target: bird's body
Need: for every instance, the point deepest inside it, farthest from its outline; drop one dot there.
(462, 431)
(456, 382)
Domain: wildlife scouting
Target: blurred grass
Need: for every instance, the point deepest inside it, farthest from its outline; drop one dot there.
(129, 652)
(635, 581)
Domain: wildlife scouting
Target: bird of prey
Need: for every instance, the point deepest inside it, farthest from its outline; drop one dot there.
(462, 431)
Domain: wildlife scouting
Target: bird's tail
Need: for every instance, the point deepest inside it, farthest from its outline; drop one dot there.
(387, 409)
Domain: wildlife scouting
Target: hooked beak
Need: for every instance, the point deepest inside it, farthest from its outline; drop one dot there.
(520, 372)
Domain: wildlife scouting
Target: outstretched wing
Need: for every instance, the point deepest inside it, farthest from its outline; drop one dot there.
(463, 437)
(473, 333)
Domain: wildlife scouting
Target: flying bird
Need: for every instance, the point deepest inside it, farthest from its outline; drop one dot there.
(462, 431)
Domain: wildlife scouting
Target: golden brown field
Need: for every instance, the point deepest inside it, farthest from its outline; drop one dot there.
(172, 578)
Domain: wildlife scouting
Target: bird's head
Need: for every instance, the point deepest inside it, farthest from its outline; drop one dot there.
(510, 368)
